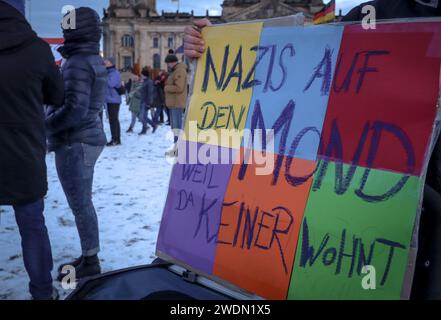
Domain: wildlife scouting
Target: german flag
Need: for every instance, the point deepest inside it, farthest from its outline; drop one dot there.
(327, 14)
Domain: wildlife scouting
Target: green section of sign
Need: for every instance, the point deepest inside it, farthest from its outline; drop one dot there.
(341, 233)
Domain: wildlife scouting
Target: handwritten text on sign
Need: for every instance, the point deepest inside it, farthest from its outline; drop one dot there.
(351, 117)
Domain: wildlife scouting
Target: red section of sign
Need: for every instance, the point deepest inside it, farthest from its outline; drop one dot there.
(384, 95)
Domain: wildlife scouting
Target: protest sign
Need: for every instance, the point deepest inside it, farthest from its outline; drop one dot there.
(345, 118)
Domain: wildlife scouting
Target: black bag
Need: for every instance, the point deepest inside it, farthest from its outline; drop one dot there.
(150, 282)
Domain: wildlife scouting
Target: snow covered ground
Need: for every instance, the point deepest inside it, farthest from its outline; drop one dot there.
(130, 189)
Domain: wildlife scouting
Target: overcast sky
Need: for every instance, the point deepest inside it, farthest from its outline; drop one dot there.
(45, 15)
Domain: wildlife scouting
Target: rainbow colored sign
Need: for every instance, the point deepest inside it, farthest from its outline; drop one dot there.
(352, 114)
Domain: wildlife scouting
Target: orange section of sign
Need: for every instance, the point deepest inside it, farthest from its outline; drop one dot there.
(260, 224)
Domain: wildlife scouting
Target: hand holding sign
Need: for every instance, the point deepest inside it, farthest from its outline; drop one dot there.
(351, 115)
(194, 45)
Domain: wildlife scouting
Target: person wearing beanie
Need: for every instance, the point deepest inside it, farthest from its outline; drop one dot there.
(75, 132)
(171, 59)
(113, 100)
(176, 92)
(29, 78)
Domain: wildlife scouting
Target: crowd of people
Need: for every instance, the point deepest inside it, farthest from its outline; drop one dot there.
(149, 94)
(73, 123)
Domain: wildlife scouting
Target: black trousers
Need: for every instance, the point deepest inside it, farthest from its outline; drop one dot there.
(115, 128)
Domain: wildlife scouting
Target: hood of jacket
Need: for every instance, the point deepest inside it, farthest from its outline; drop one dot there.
(15, 31)
(85, 37)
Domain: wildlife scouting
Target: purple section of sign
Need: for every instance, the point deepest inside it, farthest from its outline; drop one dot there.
(192, 213)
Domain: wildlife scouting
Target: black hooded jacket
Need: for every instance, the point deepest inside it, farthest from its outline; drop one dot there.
(85, 82)
(29, 78)
(394, 9)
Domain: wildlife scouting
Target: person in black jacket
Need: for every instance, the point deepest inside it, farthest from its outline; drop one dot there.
(76, 134)
(386, 9)
(29, 78)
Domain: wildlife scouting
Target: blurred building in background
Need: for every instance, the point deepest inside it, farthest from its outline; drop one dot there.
(137, 35)
(238, 10)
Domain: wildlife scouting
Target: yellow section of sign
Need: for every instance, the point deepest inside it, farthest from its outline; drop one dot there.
(222, 91)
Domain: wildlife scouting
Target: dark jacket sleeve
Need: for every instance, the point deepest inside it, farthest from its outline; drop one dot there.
(53, 86)
(78, 79)
(434, 169)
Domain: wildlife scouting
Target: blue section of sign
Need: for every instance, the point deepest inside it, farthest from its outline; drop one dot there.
(293, 77)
